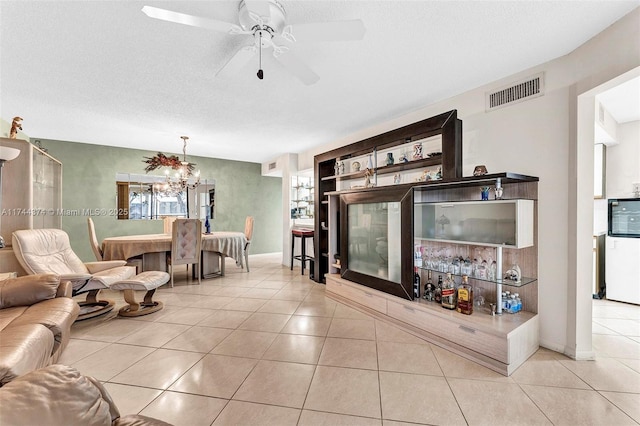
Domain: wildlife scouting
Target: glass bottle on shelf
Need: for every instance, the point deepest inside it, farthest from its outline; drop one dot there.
(464, 303)
(448, 293)
(428, 288)
(416, 283)
(437, 294)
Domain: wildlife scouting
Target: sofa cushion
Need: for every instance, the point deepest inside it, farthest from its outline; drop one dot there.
(23, 348)
(56, 395)
(8, 315)
(27, 290)
(56, 314)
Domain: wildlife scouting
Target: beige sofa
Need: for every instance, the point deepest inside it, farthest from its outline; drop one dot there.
(36, 314)
(59, 395)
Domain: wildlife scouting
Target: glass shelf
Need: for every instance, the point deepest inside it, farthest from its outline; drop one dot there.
(523, 281)
(392, 168)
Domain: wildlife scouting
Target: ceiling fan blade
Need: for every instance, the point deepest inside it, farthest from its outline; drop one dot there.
(327, 31)
(194, 21)
(260, 8)
(295, 66)
(237, 61)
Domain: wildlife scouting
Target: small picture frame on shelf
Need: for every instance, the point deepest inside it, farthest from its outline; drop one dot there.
(417, 151)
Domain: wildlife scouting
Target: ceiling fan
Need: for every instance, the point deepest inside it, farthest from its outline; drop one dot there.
(265, 21)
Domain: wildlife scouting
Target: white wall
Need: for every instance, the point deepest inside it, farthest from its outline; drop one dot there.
(623, 161)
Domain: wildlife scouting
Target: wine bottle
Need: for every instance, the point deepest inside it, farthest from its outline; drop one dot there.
(416, 283)
(437, 296)
(428, 288)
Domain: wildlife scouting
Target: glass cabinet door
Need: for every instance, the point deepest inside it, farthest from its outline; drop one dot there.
(47, 195)
(507, 223)
(374, 239)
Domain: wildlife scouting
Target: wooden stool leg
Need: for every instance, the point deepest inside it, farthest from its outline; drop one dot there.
(130, 298)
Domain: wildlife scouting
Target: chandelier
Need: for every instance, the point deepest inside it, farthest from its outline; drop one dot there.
(184, 178)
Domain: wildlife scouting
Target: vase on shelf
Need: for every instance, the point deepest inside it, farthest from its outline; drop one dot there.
(370, 163)
(389, 159)
(207, 226)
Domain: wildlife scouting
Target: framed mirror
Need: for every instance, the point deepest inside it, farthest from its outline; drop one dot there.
(149, 197)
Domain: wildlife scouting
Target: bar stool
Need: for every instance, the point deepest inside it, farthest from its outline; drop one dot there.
(303, 234)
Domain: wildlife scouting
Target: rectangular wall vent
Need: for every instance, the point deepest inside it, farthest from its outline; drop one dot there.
(272, 166)
(531, 87)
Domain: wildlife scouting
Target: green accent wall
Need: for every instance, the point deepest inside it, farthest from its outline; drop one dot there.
(89, 182)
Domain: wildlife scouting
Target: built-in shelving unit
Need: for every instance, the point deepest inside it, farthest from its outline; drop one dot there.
(446, 128)
(499, 342)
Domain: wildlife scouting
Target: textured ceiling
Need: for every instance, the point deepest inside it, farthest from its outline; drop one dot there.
(102, 72)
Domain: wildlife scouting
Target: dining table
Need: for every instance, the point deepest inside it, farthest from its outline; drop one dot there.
(153, 248)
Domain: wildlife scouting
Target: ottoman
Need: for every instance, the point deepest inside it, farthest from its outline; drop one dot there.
(146, 281)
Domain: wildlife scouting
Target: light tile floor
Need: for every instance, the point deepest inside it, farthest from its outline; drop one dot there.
(268, 348)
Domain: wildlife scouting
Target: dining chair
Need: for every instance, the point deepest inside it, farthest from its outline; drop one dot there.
(248, 233)
(186, 245)
(167, 224)
(97, 249)
(93, 239)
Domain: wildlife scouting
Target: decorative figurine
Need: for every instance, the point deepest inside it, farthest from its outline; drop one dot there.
(367, 178)
(342, 167)
(15, 126)
(403, 158)
(480, 170)
(355, 166)
(389, 158)
(396, 178)
(336, 168)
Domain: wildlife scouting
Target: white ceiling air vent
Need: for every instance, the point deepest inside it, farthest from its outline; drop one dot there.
(531, 87)
(272, 166)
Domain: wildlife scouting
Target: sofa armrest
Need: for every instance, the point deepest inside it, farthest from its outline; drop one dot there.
(95, 267)
(28, 290)
(65, 289)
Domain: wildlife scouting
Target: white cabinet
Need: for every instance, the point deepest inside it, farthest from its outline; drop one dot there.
(31, 190)
(622, 270)
(499, 223)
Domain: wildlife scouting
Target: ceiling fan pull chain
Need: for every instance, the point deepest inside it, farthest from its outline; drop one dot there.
(260, 72)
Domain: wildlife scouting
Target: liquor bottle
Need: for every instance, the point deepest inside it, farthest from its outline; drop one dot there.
(207, 225)
(465, 297)
(448, 293)
(437, 295)
(428, 288)
(416, 283)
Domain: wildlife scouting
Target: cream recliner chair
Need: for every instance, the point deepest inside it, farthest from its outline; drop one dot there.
(43, 251)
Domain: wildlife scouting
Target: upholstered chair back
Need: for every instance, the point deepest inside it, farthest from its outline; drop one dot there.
(42, 251)
(93, 240)
(186, 241)
(248, 227)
